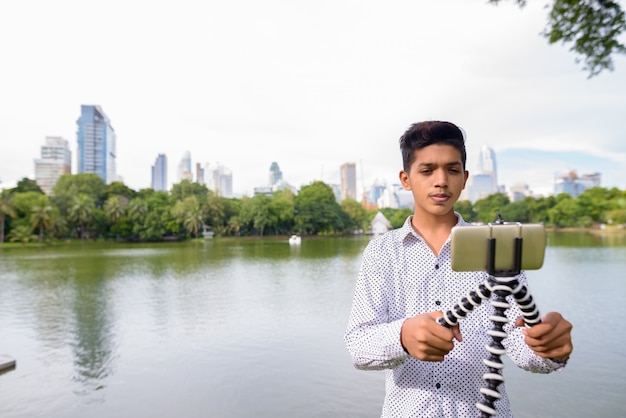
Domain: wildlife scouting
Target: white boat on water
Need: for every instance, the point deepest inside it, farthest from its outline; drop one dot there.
(295, 240)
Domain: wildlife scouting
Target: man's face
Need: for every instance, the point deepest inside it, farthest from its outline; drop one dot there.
(436, 179)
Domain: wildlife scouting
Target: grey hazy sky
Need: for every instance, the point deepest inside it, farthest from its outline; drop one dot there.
(310, 85)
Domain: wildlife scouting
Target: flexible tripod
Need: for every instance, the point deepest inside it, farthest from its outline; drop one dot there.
(501, 283)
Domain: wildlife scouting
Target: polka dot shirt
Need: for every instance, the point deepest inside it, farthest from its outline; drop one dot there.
(401, 277)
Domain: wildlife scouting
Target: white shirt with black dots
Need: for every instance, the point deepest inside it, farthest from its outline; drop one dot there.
(401, 277)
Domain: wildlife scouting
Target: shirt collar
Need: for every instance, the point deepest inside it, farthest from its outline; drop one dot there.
(407, 229)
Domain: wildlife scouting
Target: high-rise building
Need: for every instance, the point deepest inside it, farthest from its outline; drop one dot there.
(159, 173)
(487, 165)
(275, 175)
(184, 167)
(56, 160)
(571, 184)
(220, 180)
(199, 174)
(96, 144)
(485, 181)
(348, 181)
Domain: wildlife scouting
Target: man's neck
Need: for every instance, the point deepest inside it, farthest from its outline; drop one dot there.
(434, 229)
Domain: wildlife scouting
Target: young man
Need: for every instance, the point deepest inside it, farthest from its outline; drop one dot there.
(406, 282)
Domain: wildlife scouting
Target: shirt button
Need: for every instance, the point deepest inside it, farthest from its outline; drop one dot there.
(438, 385)
(437, 302)
(436, 266)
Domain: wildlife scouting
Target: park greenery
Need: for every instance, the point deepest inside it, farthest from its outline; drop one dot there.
(592, 27)
(82, 207)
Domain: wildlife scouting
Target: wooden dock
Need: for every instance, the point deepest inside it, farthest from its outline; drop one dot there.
(6, 362)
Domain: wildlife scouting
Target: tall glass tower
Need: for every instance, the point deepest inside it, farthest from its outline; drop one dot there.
(348, 181)
(487, 165)
(275, 174)
(159, 173)
(96, 143)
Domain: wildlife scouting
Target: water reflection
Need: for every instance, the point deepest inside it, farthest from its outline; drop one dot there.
(585, 239)
(193, 329)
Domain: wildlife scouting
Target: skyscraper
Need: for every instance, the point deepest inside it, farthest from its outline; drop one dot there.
(56, 160)
(96, 144)
(275, 175)
(348, 181)
(221, 181)
(485, 181)
(487, 165)
(184, 167)
(159, 173)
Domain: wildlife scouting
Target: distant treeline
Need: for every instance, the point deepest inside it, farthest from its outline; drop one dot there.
(82, 206)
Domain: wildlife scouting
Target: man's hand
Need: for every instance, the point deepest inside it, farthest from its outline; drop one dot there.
(425, 339)
(551, 338)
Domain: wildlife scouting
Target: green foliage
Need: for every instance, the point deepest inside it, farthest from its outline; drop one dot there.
(188, 188)
(151, 215)
(69, 186)
(82, 212)
(357, 213)
(6, 209)
(41, 219)
(318, 213)
(466, 210)
(26, 185)
(593, 27)
(486, 208)
(23, 234)
(117, 188)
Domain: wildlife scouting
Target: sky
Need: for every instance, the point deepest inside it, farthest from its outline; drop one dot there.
(309, 85)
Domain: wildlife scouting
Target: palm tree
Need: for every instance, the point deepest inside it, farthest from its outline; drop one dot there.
(137, 210)
(6, 209)
(115, 209)
(193, 220)
(41, 218)
(22, 233)
(82, 211)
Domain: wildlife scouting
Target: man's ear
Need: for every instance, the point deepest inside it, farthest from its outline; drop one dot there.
(466, 173)
(404, 180)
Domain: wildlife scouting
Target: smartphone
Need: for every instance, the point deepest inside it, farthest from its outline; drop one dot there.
(470, 246)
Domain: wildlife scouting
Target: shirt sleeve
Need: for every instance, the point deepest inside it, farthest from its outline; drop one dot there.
(517, 349)
(372, 338)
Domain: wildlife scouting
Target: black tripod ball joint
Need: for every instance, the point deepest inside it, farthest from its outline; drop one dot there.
(500, 284)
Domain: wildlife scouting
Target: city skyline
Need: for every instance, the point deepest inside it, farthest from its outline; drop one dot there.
(311, 86)
(164, 163)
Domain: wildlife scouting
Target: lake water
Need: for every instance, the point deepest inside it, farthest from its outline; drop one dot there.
(254, 328)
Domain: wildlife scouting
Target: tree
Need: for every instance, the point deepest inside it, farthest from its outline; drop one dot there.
(282, 208)
(117, 188)
(187, 212)
(466, 210)
(69, 186)
(214, 207)
(41, 219)
(22, 233)
(114, 212)
(317, 211)
(26, 185)
(563, 213)
(356, 212)
(6, 209)
(188, 188)
(115, 208)
(486, 208)
(593, 26)
(82, 211)
(255, 212)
